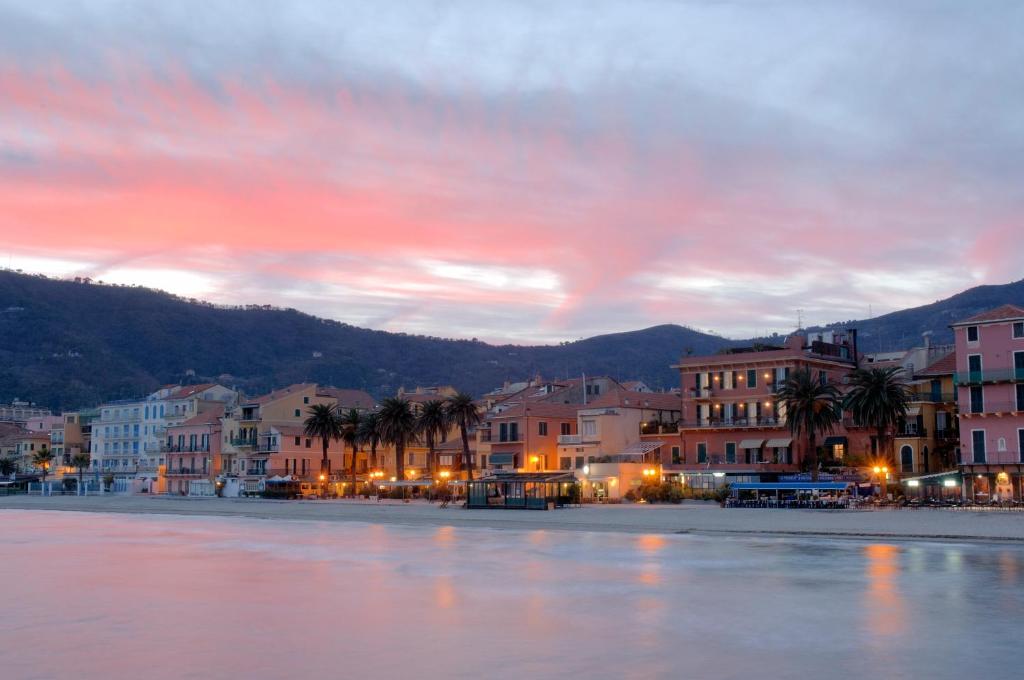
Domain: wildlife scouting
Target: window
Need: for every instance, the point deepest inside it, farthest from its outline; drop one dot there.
(513, 432)
(565, 463)
(309, 443)
(298, 441)
(590, 427)
(566, 428)
(977, 399)
(676, 459)
(978, 445)
(305, 400)
(1020, 396)
(972, 334)
(503, 432)
(1001, 444)
(542, 430)
(1020, 445)
(822, 378)
(751, 378)
(907, 459)
(298, 413)
(1018, 330)
(730, 452)
(1018, 365)
(702, 452)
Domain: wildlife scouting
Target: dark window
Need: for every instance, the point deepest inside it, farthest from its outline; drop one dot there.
(730, 452)
(977, 399)
(1018, 365)
(565, 463)
(298, 441)
(503, 432)
(566, 428)
(1020, 396)
(513, 432)
(676, 459)
(305, 400)
(579, 462)
(822, 378)
(972, 334)
(542, 429)
(907, 459)
(978, 445)
(1020, 445)
(309, 443)
(751, 378)
(702, 452)
(1018, 329)
(298, 413)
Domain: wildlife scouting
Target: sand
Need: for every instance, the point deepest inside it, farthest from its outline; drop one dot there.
(701, 518)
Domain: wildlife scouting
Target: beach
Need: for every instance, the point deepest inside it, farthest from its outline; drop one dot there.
(687, 518)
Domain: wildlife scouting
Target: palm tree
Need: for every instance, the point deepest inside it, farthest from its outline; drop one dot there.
(8, 466)
(812, 408)
(80, 461)
(398, 428)
(369, 433)
(464, 413)
(351, 421)
(433, 423)
(878, 398)
(323, 422)
(42, 459)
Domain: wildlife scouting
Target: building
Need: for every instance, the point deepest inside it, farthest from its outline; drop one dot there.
(193, 452)
(990, 392)
(928, 440)
(733, 428)
(21, 412)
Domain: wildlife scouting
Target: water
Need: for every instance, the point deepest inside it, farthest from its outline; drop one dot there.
(121, 596)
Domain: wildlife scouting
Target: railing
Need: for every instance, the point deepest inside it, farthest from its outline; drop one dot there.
(912, 432)
(187, 471)
(700, 392)
(934, 397)
(240, 441)
(992, 375)
(570, 439)
(732, 422)
(509, 439)
(268, 447)
(947, 434)
(993, 407)
(659, 428)
(164, 448)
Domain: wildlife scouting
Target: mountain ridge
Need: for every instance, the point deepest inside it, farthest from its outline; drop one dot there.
(66, 344)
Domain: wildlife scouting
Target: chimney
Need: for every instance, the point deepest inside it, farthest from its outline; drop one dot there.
(856, 355)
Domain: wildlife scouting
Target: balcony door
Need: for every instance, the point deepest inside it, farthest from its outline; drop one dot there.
(978, 445)
(974, 367)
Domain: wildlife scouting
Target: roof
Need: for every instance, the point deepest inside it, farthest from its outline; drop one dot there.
(944, 366)
(210, 416)
(540, 409)
(190, 390)
(1003, 313)
(790, 486)
(281, 393)
(455, 444)
(290, 430)
(527, 477)
(662, 401)
(348, 398)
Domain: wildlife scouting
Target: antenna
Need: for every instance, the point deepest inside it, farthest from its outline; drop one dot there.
(799, 319)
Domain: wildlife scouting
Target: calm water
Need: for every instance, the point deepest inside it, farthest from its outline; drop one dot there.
(117, 596)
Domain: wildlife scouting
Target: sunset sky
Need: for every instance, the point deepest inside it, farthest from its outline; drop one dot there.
(530, 172)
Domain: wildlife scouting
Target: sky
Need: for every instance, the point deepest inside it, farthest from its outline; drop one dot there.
(525, 172)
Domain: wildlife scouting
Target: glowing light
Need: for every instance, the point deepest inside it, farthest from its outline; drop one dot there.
(913, 483)
(718, 475)
(586, 469)
(949, 482)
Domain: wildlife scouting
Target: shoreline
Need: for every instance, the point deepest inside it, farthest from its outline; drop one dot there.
(693, 519)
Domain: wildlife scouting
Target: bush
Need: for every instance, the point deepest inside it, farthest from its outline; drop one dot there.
(665, 492)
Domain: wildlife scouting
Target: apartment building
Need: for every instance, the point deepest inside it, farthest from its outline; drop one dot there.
(990, 392)
(927, 441)
(733, 427)
(193, 452)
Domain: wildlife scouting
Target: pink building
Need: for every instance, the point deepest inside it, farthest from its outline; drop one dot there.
(990, 392)
(734, 429)
(193, 450)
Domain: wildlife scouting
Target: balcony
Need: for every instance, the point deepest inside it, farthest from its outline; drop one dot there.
(659, 428)
(992, 408)
(164, 448)
(947, 434)
(187, 471)
(570, 439)
(241, 442)
(911, 433)
(700, 393)
(934, 398)
(991, 376)
(766, 422)
(267, 447)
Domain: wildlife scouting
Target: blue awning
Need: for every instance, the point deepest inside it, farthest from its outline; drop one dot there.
(790, 486)
(502, 459)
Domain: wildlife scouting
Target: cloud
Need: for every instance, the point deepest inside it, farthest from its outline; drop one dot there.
(517, 171)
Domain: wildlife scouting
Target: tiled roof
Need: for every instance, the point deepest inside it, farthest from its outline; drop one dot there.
(623, 398)
(944, 366)
(348, 398)
(189, 390)
(207, 417)
(1003, 313)
(278, 394)
(540, 409)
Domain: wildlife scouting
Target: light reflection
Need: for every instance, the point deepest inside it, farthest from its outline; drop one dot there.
(886, 607)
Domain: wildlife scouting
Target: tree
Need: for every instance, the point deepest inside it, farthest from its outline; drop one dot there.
(350, 422)
(812, 408)
(323, 422)
(433, 423)
(369, 434)
(8, 466)
(397, 428)
(464, 413)
(80, 461)
(42, 459)
(878, 398)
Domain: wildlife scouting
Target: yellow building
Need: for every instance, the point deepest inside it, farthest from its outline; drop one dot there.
(928, 439)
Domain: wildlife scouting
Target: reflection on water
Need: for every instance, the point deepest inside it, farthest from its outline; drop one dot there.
(117, 596)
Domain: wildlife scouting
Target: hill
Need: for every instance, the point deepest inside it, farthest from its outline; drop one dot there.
(67, 344)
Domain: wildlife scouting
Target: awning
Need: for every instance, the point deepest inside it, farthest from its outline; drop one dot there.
(501, 459)
(790, 486)
(835, 441)
(407, 482)
(914, 411)
(779, 443)
(751, 443)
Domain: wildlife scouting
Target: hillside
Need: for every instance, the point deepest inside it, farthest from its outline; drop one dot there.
(66, 344)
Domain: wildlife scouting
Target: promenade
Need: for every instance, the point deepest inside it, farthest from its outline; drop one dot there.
(699, 518)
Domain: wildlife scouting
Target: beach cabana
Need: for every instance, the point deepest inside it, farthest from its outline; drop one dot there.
(790, 494)
(524, 490)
